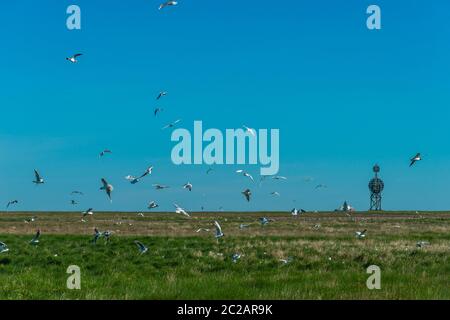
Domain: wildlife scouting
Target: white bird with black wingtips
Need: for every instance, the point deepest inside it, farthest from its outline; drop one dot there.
(414, 159)
(152, 205)
(179, 209)
(171, 125)
(147, 171)
(37, 178)
(361, 234)
(107, 187)
(187, 186)
(162, 93)
(245, 174)
(250, 130)
(132, 179)
(73, 58)
(88, 212)
(219, 233)
(163, 5)
(247, 194)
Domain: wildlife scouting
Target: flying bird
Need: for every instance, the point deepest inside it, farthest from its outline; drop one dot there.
(142, 249)
(157, 110)
(161, 6)
(275, 193)
(361, 234)
(132, 179)
(38, 178)
(202, 229)
(178, 209)
(209, 170)
(243, 226)
(77, 192)
(245, 174)
(320, 186)
(3, 247)
(88, 212)
(162, 93)
(249, 130)
(73, 58)
(219, 233)
(108, 188)
(73, 202)
(247, 193)
(171, 125)
(160, 186)
(188, 186)
(148, 171)
(279, 178)
(105, 152)
(153, 205)
(11, 203)
(414, 159)
(35, 239)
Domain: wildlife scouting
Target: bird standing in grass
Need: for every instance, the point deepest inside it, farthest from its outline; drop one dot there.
(3, 247)
(421, 244)
(361, 234)
(235, 257)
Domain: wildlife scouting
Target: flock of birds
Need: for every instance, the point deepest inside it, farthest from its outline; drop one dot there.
(108, 188)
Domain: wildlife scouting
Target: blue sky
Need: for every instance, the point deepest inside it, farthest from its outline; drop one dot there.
(343, 97)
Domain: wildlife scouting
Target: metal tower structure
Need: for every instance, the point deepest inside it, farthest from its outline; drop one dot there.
(376, 186)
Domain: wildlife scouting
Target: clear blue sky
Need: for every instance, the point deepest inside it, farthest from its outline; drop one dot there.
(343, 97)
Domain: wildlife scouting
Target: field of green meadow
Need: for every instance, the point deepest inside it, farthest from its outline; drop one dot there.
(324, 259)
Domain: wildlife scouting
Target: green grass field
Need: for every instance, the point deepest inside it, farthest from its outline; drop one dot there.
(328, 261)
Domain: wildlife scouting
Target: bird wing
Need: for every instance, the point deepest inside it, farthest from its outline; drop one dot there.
(77, 55)
(140, 245)
(105, 183)
(218, 228)
(36, 174)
